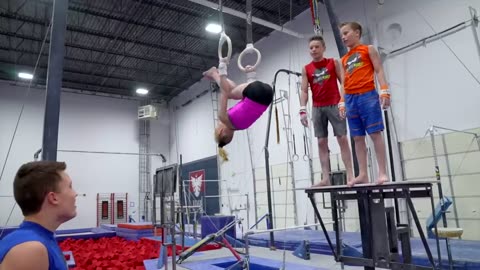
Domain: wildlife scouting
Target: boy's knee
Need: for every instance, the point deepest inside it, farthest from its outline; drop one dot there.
(342, 139)
(359, 139)
(323, 142)
(376, 134)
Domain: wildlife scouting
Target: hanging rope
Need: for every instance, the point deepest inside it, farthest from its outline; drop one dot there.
(317, 28)
(223, 36)
(250, 71)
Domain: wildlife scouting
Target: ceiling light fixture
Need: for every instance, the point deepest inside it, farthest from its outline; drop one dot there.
(214, 28)
(26, 76)
(142, 91)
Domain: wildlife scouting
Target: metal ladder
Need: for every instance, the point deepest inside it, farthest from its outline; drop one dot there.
(287, 119)
(214, 91)
(144, 169)
(308, 149)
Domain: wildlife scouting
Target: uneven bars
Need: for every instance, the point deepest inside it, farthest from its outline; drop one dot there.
(284, 229)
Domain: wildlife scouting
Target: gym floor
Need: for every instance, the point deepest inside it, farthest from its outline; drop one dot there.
(317, 261)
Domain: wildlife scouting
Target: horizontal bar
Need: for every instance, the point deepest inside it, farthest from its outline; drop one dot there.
(443, 175)
(284, 229)
(441, 34)
(108, 152)
(456, 130)
(440, 155)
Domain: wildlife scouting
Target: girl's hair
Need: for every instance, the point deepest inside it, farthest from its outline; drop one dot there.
(223, 154)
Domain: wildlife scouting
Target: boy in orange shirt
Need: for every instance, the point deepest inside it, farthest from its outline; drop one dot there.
(362, 102)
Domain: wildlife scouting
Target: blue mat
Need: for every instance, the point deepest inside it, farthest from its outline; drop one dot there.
(88, 233)
(111, 227)
(256, 263)
(85, 233)
(152, 263)
(466, 254)
(130, 231)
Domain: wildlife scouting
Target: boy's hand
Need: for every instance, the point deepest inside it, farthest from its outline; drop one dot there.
(303, 116)
(385, 102)
(341, 109)
(385, 98)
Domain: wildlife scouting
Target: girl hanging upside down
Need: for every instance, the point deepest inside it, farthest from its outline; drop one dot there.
(255, 97)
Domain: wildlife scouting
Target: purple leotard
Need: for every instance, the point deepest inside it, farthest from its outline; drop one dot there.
(245, 113)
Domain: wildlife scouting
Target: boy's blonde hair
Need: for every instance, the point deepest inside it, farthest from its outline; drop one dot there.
(354, 26)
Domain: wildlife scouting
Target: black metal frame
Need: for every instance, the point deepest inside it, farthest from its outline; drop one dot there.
(378, 249)
(270, 218)
(165, 189)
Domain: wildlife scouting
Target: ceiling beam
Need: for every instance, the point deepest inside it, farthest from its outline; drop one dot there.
(82, 30)
(115, 17)
(123, 54)
(254, 19)
(154, 73)
(84, 86)
(100, 75)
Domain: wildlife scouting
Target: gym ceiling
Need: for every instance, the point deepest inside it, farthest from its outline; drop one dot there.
(116, 46)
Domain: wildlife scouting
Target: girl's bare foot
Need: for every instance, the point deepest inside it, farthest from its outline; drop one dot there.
(210, 73)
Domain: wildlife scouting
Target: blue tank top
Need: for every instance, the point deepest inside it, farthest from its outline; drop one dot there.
(30, 231)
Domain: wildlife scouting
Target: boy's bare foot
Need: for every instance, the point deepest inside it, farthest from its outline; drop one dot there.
(361, 179)
(382, 178)
(350, 178)
(322, 183)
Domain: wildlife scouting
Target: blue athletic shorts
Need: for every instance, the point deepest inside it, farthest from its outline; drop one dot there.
(364, 113)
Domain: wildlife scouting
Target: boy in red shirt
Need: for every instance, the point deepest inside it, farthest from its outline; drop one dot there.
(362, 103)
(322, 75)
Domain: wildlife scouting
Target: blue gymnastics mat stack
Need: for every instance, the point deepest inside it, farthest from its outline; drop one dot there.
(135, 231)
